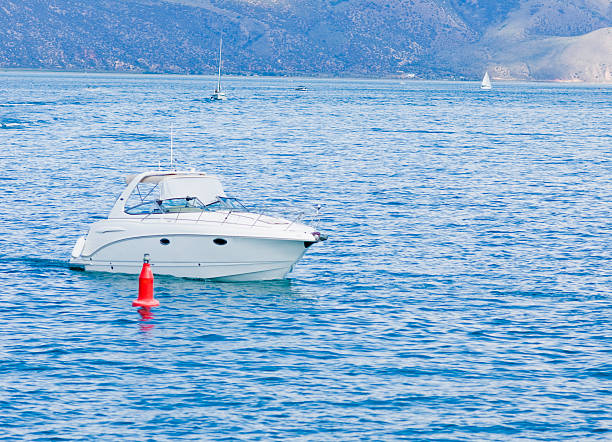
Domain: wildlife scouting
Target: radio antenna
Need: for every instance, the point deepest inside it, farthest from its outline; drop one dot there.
(171, 145)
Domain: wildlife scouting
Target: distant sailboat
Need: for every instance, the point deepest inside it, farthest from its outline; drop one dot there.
(219, 94)
(486, 82)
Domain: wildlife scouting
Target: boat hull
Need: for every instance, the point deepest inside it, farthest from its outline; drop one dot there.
(225, 272)
(223, 258)
(218, 96)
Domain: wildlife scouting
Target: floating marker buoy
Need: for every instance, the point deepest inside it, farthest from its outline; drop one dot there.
(145, 286)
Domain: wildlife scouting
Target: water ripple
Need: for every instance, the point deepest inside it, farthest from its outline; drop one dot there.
(464, 293)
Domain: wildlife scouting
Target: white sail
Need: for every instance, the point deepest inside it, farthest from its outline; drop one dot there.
(219, 94)
(486, 81)
(219, 78)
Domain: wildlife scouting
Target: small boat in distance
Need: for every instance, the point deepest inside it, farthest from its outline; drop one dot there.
(219, 94)
(190, 228)
(486, 82)
(301, 88)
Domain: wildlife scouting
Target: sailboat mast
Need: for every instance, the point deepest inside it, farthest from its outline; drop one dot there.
(219, 78)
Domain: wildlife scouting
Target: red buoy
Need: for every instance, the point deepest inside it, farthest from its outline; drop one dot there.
(145, 286)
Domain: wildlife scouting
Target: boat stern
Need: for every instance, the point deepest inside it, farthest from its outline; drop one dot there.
(76, 262)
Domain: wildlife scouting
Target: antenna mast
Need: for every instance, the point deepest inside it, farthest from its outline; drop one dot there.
(171, 145)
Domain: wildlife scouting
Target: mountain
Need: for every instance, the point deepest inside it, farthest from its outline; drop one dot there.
(549, 40)
(520, 39)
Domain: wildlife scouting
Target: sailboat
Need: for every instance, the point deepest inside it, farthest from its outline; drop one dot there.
(219, 94)
(486, 82)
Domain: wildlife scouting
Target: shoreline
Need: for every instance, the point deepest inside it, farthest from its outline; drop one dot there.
(401, 78)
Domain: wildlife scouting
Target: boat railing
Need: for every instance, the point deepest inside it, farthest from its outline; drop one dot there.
(231, 217)
(239, 218)
(297, 219)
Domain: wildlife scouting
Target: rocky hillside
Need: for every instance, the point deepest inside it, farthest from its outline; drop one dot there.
(526, 39)
(555, 39)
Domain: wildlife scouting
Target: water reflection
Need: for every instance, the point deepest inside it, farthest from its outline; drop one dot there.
(197, 294)
(146, 314)
(202, 294)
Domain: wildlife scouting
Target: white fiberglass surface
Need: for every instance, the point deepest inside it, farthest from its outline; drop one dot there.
(206, 189)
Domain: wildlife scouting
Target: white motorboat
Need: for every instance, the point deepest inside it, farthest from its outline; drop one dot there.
(190, 228)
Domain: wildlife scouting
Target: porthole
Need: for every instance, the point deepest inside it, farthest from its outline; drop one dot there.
(164, 241)
(220, 241)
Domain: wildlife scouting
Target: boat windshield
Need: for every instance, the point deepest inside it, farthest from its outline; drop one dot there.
(184, 205)
(226, 203)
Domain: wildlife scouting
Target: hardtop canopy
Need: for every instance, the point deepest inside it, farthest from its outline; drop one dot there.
(172, 185)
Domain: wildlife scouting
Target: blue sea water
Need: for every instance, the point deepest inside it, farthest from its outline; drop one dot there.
(464, 293)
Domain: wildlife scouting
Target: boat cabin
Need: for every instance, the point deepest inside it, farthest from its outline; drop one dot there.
(172, 192)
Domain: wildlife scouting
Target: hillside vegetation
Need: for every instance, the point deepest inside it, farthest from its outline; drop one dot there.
(522, 39)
